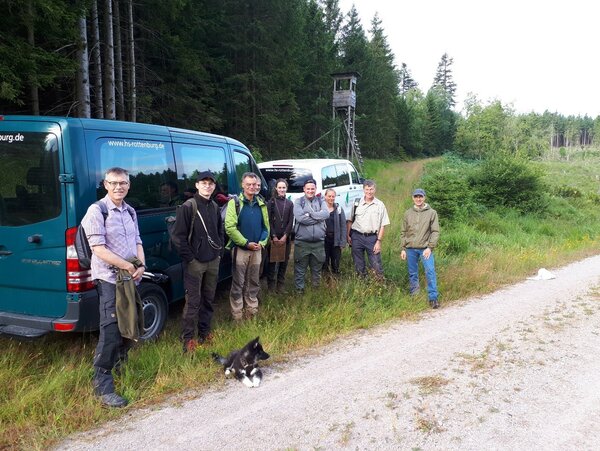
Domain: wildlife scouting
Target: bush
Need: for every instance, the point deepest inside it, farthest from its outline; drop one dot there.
(449, 193)
(511, 182)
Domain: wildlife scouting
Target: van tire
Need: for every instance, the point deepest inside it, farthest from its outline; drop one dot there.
(154, 303)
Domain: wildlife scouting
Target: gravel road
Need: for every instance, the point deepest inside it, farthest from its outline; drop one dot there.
(516, 369)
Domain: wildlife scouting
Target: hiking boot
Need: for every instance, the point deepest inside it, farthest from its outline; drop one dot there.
(113, 400)
(434, 303)
(206, 339)
(189, 346)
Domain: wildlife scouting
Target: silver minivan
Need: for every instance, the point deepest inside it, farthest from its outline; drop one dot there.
(341, 175)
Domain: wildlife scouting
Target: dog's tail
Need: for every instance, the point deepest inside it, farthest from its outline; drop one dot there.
(217, 358)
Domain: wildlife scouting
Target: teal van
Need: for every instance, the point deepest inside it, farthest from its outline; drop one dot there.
(52, 170)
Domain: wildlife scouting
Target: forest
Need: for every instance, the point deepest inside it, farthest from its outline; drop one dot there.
(259, 71)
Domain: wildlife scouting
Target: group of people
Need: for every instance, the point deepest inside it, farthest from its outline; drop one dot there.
(254, 229)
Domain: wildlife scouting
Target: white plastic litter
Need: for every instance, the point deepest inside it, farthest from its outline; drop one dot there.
(543, 274)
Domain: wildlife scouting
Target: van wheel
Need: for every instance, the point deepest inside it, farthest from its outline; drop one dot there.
(154, 303)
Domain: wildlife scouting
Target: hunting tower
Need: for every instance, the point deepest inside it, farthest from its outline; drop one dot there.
(344, 112)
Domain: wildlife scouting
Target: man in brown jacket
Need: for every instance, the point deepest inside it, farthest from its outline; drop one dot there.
(420, 235)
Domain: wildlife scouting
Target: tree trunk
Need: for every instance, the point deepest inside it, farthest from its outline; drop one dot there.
(83, 71)
(33, 87)
(132, 87)
(98, 100)
(109, 62)
(118, 62)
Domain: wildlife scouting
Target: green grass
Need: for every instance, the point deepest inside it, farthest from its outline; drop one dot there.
(45, 385)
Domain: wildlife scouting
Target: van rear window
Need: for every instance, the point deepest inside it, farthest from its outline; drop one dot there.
(294, 176)
(29, 185)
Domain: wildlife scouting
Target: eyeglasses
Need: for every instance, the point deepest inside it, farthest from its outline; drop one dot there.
(115, 184)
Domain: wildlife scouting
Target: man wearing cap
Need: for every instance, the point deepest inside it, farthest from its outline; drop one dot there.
(199, 238)
(247, 225)
(366, 227)
(420, 235)
(310, 213)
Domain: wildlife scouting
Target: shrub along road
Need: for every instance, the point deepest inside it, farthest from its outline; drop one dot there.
(515, 369)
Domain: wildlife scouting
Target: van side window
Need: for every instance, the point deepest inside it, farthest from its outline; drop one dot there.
(242, 164)
(150, 164)
(343, 178)
(329, 177)
(354, 176)
(29, 186)
(192, 159)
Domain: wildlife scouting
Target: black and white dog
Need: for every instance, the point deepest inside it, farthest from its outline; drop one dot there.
(243, 363)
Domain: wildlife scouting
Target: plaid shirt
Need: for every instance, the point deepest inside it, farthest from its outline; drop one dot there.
(120, 235)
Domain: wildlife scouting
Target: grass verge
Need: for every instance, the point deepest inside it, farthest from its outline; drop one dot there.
(45, 385)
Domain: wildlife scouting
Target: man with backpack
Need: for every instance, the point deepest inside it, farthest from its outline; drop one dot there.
(247, 225)
(366, 226)
(116, 245)
(310, 213)
(198, 237)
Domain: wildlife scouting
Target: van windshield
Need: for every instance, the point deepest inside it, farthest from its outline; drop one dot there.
(29, 185)
(294, 176)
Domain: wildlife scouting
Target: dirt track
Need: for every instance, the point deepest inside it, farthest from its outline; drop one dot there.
(517, 369)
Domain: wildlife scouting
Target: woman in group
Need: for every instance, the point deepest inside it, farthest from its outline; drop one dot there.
(281, 218)
(335, 234)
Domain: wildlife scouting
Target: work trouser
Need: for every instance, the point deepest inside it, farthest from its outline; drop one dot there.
(111, 350)
(246, 282)
(200, 281)
(361, 244)
(308, 254)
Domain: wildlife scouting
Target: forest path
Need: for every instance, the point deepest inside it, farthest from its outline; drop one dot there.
(514, 369)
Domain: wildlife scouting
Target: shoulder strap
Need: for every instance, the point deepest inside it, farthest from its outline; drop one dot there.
(194, 205)
(356, 202)
(103, 208)
(236, 199)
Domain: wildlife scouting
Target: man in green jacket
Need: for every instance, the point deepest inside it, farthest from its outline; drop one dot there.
(247, 227)
(420, 235)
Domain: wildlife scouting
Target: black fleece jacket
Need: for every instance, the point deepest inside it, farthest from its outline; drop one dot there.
(199, 248)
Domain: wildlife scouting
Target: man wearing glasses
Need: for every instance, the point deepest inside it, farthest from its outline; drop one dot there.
(199, 238)
(247, 226)
(420, 235)
(116, 245)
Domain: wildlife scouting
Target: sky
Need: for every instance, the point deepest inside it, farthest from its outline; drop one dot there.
(531, 54)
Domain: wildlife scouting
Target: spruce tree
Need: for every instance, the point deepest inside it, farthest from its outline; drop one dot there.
(444, 80)
(406, 81)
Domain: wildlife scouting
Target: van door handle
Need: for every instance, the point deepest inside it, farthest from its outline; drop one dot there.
(5, 252)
